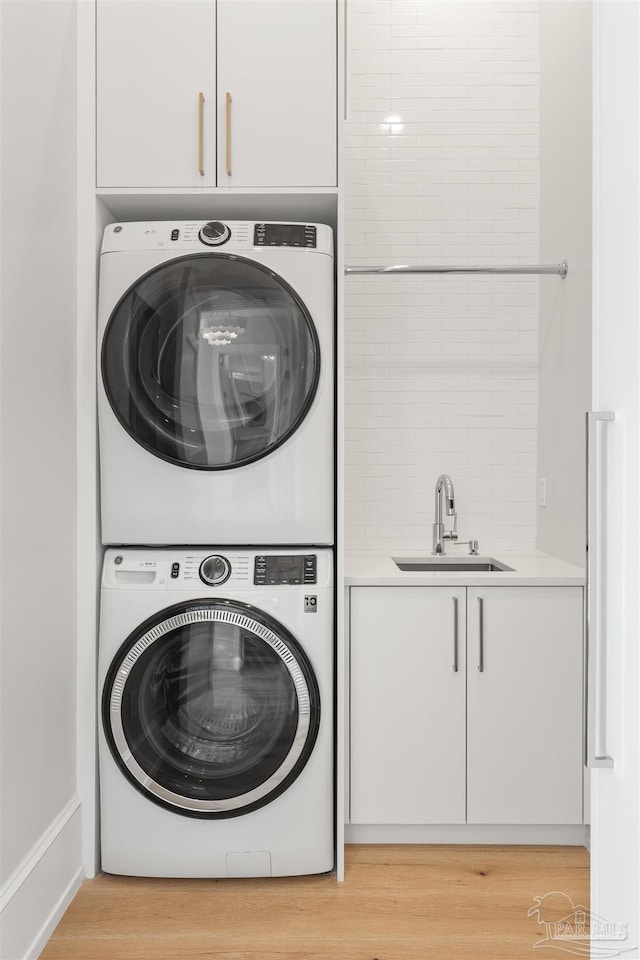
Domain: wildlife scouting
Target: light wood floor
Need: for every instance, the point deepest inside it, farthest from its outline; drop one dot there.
(397, 903)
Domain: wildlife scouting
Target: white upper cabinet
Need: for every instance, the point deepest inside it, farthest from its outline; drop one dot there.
(206, 93)
(277, 93)
(155, 59)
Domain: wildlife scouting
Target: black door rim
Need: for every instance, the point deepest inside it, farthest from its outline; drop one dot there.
(270, 632)
(304, 410)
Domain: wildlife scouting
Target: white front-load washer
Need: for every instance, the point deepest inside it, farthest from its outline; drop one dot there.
(216, 383)
(216, 728)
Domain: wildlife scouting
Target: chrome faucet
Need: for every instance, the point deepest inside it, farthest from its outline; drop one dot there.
(444, 489)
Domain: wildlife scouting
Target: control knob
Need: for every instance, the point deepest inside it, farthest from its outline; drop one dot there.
(215, 570)
(214, 233)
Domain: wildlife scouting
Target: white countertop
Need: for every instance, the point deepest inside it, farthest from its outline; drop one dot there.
(367, 568)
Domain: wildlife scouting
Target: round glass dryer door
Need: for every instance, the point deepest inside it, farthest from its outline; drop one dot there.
(211, 709)
(210, 361)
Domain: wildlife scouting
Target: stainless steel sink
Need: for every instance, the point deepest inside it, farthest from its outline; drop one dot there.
(450, 564)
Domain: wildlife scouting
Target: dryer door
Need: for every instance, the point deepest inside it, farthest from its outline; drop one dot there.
(210, 361)
(211, 708)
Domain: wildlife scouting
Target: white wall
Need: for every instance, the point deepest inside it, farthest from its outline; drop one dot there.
(40, 816)
(565, 307)
(441, 372)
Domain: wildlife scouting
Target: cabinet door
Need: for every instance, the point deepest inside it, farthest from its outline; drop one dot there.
(524, 708)
(277, 65)
(154, 59)
(407, 705)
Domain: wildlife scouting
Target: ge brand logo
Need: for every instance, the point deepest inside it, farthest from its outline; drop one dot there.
(311, 604)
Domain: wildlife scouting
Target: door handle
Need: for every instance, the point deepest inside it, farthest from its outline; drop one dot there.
(228, 102)
(481, 634)
(595, 636)
(201, 133)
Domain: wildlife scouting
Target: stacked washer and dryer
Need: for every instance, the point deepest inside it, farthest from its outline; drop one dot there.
(216, 646)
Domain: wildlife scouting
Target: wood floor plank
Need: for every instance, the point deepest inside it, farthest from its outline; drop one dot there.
(397, 903)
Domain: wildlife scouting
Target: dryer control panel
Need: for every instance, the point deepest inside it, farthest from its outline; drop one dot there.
(178, 238)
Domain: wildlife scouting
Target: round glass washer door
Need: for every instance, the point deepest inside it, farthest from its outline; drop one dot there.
(211, 708)
(210, 361)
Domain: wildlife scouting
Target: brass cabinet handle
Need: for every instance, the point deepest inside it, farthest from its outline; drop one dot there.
(228, 125)
(201, 133)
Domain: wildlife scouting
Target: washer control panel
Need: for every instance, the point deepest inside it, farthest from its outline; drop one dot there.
(284, 569)
(216, 570)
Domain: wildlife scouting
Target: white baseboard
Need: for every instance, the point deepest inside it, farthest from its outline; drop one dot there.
(36, 895)
(570, 835)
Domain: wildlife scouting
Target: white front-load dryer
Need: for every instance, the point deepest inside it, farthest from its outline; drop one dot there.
(216, 728)
(216, 383)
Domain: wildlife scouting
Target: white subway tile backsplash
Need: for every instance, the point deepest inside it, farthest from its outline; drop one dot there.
(442, 166)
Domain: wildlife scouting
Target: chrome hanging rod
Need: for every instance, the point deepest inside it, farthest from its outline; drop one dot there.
(559, 269)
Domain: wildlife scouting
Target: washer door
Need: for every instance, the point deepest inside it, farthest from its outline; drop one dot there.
(210, 361)
(211, 708)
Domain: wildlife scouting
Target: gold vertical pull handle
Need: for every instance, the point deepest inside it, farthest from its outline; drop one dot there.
(228, 126)
(201, 133)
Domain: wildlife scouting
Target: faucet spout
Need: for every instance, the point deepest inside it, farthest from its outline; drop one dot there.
(445, 502)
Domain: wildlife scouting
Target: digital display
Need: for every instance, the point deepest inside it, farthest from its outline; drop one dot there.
(285, 568)
(281, 568)
(284, 235)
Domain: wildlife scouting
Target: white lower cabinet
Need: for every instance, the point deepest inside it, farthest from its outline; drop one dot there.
(524, 708)
(497, 740)
(407, 705)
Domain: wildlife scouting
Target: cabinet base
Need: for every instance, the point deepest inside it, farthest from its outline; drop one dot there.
(560, 834)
